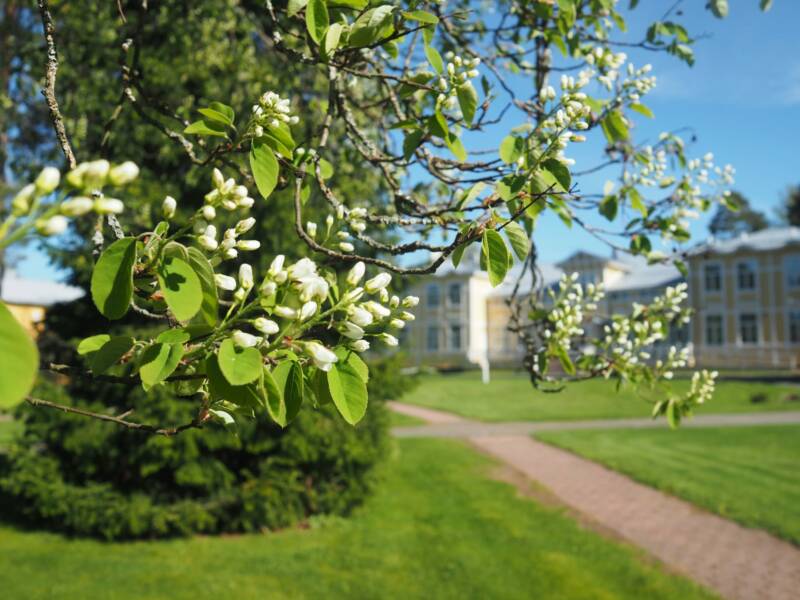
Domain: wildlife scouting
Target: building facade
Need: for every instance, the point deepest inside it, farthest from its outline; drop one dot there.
(746, 295)
(28, 299)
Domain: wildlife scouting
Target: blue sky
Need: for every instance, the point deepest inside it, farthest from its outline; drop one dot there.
(741, 99)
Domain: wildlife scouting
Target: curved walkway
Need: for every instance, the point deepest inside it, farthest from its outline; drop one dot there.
(737, 562)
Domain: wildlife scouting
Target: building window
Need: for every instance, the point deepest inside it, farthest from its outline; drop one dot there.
(714, 330)
(454, 294)
(455, 337)
(793, 271)
(432, 341)
(794, 327)
(748, 328)
(432, 295)
(746, 275)
(713, 278)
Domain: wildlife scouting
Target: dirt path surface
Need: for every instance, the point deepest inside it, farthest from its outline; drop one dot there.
(736, 562)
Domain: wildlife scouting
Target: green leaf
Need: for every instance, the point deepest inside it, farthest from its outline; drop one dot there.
(288, 376)
(209, 307)
(511, 149)
(565, 360)
(295, 6)
(109, 353)
(719, 8)
(636, 201)
(274, 398)
(158, 362)
(264, 167)
(467, 100)
(433, 56)
(181, 287)
(317, 19)
(497, 256)
(614, 127)
(174, 336)
(348, 391)
(642, 110)
(560, 171)
(92, 343)
(371, 26)
(112, 278)
(225, 110)
(331, 41)
(765, 5)
(206, 127)
(19, 360)
(609, 207)
(421, 16)
(412, 142)
(279, 139)
(240, 366)
(248, 396)
(354, 360)
(456, 147)
(520, 242)
(217, 117)
(473, 193)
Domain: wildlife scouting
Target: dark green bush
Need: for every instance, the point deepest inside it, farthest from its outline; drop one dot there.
(86, 477)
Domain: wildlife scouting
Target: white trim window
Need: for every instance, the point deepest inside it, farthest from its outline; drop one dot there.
(715, 331)
(794, 326)
(746, 275)
(432, 338)
(792, 267)
(454, 294)
(748, 328)
(712, 277)
(433, 295)
(456, 334)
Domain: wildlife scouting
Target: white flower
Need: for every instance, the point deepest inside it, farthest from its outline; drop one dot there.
(268, 288)
(246, 276)
(356, 273)
(48, 180)
(360, 316)
(308, 310)
(407, 316)
(75, 176)
(397, 323)
(209, 212)
(245, 225)
(108, 206)
(53, 225)
(322, 357)
(225, 282)
(168, 207)
(266, 326)
(277, 265)
(285, 312)
(360, 345)
(248, 245)
(379, 310)
(353, 295)
(312, 287)
(208, 243)
(96, 173)
(77, 206)
(302, 268)
(351, 330)
(229, 253)
(217, 178)
(246, 340)
(388, 339)
(311, 227)
(377, 283)
(124, 173)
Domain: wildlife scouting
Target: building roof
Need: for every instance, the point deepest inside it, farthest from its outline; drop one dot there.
(645, 277)
(548, 272)
(35, 292)
(622, 265)
(759, 241)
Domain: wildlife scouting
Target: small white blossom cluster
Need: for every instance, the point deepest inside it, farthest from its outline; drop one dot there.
(567, 117)
(457, 72)
(570, 305)
(87, 181)
(293, 299)
(270, 112)
(701, 388)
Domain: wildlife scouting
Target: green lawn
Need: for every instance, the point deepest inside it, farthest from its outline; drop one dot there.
(749, 474)
(510, 397)
(437, 528)
(399, 420)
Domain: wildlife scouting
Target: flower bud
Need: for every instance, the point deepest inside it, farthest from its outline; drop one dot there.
(268, 288)
(123, 174)
(209, 212)
(248, 245)
(76, 175)
(394, 302)
(360, 316)
(410, 301)
(225, 282)
(108, 206)
(230, 253)
(311, 228)
(53, 226)
(379, 310)
(323, 358)
(308, 310)
(360, 345)
(168, 207)
(352, 331)
(21, 203)
(48, 180)
(277, 265)
(245, 225)
(389, 339)
(207, 243)
(407, 316)
(346, 247)
(246, 276)
(77, 206)
(266, 326)
(217, 178)
(96, 173)
(353, 295)
(377, 283)
(397, 323)
(246, 202)
(285, 312)
(245, 340)
(356, 273)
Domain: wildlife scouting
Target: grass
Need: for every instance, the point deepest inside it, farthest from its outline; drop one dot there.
(437, 528)
(400, 420)
(510, 397)
(749, 474)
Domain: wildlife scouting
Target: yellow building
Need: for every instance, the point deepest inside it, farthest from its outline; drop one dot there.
(28, 299)
(746, 295)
